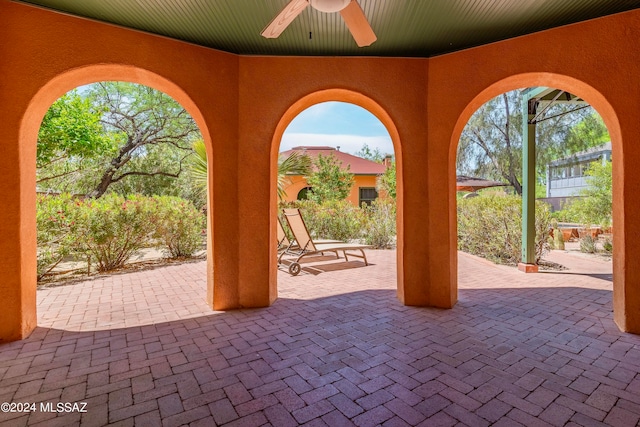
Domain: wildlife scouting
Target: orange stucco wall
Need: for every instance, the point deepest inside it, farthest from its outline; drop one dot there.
(45, 54)
(243, 104)
(297, 183)
(597, 60)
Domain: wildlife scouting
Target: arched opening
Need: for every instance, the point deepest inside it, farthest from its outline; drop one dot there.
(599, 104)
(304, 193)
(40, 103)
(342, 96)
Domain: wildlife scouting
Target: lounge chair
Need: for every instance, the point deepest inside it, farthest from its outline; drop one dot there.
(306, 246)
(283, 240)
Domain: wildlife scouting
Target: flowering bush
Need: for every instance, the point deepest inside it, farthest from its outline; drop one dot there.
(54, 219)
(108, 231)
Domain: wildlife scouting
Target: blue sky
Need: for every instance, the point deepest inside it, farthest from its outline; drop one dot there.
(337, 124)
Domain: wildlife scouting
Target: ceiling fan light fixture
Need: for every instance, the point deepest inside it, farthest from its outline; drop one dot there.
(329, 6)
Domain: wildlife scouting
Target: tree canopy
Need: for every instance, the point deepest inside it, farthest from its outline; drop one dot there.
(115, 136)
(374, 155)
(71, 134)
(491, 143)
(329, 180)
(387, 181)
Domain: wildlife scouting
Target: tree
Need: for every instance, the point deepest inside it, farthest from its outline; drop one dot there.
(595, 204)
(329, 181)
(387, 181)
(117, 137)
(152, 123)
(70, 135)
(374, 155)
(590, 132)
(491, 142)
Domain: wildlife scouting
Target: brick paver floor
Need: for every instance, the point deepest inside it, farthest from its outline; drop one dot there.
(336, 349)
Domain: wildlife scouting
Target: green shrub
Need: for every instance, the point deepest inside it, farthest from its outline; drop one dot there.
(594, 206)
(110, 230)
(329, 180)
(333, 219)
(380, 224)
(54, 219)
(491, 227)
(588, 244)
(178, 227)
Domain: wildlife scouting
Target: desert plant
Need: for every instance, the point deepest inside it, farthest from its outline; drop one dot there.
(54, 219)
(330, 182)
(558, 239)
(295, 164)
(594, 206)
(179, 226)
(491, 227)
(333, 219)
(110, 230)
(387, 181)
(380, 224)
(588, 244)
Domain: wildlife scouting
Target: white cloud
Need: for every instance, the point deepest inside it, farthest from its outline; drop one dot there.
(347, 143)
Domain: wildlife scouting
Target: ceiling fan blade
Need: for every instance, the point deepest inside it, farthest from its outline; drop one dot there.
(284, 18)
(357, 23)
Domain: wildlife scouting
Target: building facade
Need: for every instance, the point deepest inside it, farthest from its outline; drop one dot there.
(365, 174)
(566, 177)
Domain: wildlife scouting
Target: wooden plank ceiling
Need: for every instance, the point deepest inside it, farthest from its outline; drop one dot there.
(416, 28)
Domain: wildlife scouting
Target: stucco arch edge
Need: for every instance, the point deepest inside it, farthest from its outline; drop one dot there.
(29, 126)
(341, 95)
(87, 74)
(597, 99)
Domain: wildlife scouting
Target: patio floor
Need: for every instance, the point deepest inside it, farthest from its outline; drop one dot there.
(336, 349)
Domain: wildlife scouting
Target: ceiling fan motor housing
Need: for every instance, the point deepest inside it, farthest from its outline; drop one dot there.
(329, 6)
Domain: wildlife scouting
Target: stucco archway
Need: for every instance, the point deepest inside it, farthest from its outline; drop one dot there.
(608, 114)
(19, 296)
(351, 97)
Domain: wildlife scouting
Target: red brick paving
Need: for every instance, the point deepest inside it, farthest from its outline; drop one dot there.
(337, 348)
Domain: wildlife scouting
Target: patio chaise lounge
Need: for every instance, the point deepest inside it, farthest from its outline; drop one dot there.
(284, 242)
(306, 246)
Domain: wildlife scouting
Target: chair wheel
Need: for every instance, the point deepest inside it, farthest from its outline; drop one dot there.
(294, 268)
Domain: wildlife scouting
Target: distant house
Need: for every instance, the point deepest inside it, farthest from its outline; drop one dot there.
(365, 174)
(566, 177)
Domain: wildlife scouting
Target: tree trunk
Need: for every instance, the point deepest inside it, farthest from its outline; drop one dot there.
(116, 164)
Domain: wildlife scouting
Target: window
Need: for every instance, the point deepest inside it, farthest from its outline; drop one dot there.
(304, 193)
(367, 195)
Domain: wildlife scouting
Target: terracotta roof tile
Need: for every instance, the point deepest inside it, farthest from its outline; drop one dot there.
(357, 165)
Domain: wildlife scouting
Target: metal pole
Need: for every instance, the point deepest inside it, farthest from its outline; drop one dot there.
(528, 181)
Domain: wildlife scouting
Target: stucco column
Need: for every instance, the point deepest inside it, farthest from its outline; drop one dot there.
(17, 193)
(17, 228)
(626, 221)
(17, 231)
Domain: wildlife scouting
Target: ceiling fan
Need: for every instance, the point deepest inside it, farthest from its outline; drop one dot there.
(349, 9)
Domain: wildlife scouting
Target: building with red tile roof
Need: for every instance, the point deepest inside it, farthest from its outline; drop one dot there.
(365, 174)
